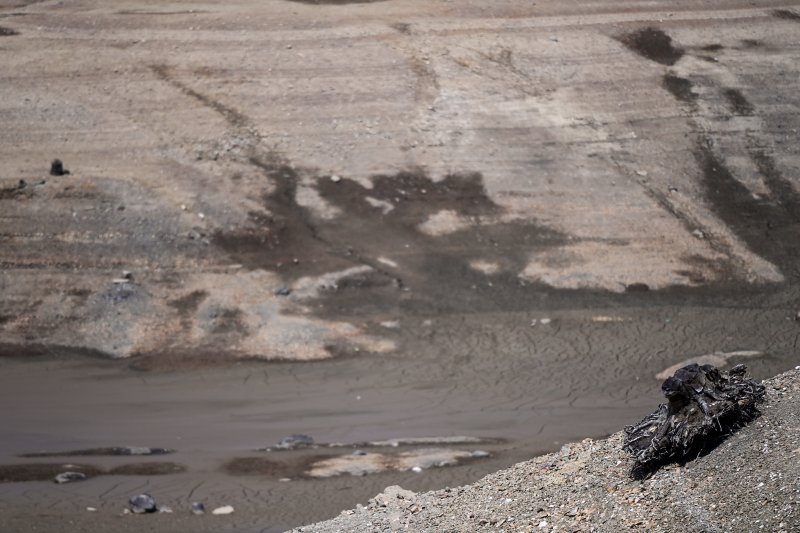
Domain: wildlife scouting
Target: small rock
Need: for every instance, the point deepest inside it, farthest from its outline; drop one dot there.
(69, 477)
(143, 503)
(699, 234)
(641, 173)
(225, 509)
(480, 453)
(165, 509)
(359, 452)
(198, 508)
(542, 524)
(336, 179)
(416, 469)
(293, 442)
(57, 168)
(91, 509)
(545, 321)
(283, 291)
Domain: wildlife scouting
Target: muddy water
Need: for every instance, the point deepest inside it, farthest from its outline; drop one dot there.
(534, 379)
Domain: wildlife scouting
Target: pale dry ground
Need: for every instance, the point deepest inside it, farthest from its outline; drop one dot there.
(507, 217)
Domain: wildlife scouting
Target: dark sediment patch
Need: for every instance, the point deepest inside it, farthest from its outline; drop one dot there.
(786, 14)
(767, 226)
(712, 47)
(782, 191)
(427, 272)
(402, 27)
(114, 451)
(752, 43)
(335, 2)
(7, 32)
(738, 103)
(680, 88)
(188, 304)
(42, 471)
(284, 237)
(147, 469)
(9, 349)
(653, 44)
(260, 466)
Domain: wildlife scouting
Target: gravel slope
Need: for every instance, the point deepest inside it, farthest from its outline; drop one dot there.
(749, 483)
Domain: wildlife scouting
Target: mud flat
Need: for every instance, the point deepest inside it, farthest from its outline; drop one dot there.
(372, 220)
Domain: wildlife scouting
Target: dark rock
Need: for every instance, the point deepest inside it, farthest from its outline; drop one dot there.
(57, 168)
(283, 291)
(704, 407)
(198, 508)
(292, 442)
(69, 477)
(143, 503)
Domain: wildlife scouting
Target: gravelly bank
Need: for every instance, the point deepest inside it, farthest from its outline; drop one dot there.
(751, 482)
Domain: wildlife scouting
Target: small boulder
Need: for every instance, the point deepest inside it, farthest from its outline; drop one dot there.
(225, 509)
(143, 503)
(198, 508)
(69, 477)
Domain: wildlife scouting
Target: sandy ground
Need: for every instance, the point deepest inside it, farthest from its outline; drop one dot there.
(498, 220)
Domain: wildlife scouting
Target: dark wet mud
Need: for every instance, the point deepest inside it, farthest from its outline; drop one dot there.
(11, 473)
(653, 44)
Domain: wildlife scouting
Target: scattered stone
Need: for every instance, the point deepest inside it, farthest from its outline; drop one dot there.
(480, 454)
(198, 508)
(336, 179)
(416, 469)
(225, 509)
(91, 509)
(143, 503)
(283, 291)
(57, 168)
(69, 477)
(165, 509)
(545, 321)
(704, 406)
(699, 234)
(641, 173)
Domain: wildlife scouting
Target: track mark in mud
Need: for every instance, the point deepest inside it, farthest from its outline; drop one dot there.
(738, 103)
(653, 44)
(234, 117)
(680, 88)
(7, 32)
(786, 14)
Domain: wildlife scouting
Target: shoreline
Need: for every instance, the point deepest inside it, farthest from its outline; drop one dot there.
(747, 482)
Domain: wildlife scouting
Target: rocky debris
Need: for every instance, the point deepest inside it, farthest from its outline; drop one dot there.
(143, 503)
(57, 168)
(225, 509)
(198, 508)
(744, 484)
(69, 477)
(704, 406)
